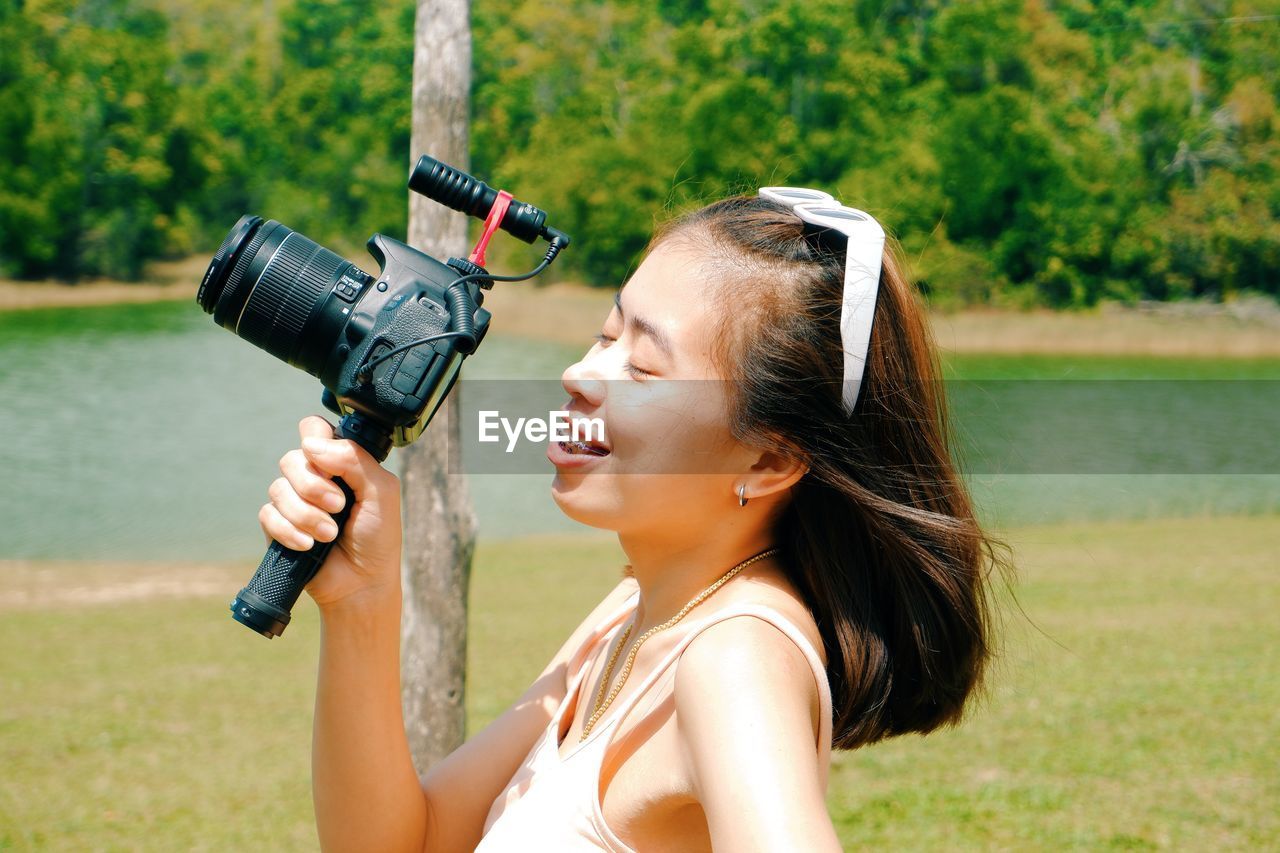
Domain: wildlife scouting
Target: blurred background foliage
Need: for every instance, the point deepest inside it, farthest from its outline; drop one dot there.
(1024, 152)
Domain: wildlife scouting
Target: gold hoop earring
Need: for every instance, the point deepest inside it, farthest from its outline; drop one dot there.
(742, 501)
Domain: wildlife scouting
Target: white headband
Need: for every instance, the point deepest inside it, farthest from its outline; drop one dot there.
(863, 251)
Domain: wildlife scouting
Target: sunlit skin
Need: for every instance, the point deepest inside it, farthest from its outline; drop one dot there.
(727, 760)
(665, 409)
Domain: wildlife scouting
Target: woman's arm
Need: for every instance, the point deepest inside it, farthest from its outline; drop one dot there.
(367, 794)
(747, 708)
(364, 785)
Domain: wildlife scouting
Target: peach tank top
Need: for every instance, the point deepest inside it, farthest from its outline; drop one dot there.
(553, 803)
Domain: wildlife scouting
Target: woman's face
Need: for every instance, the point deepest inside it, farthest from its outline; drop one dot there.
(672, 466)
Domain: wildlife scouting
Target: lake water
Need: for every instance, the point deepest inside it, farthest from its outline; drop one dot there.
(147, 432)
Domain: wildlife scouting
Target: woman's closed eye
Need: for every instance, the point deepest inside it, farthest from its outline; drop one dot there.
(635, 372)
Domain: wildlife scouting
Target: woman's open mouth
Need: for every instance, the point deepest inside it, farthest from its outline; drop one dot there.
(583, 447)
(572, 454)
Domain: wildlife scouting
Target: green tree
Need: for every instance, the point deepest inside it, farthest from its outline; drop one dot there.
(88, 183)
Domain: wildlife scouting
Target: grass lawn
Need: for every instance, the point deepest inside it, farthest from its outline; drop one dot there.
(1135, 704)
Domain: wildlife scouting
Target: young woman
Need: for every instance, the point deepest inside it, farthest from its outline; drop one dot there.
(805, 568)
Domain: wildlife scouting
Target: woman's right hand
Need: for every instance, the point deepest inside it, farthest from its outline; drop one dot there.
(365, 563)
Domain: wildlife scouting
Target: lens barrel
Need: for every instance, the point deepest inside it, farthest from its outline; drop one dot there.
(268, 284)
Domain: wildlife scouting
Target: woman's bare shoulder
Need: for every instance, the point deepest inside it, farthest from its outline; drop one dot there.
(776, 594)
(756, 659)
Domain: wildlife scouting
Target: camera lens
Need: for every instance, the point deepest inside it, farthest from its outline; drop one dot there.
(269, 284)
(215, 277)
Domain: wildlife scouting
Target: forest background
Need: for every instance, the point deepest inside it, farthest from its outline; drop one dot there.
(1024, 152)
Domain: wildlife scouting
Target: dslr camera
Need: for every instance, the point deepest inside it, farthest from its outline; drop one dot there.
(387, 348)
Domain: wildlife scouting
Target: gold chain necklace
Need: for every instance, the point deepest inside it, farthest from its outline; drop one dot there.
(602, 704)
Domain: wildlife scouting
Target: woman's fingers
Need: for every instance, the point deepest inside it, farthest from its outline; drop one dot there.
(306, 517)
(278, 528)
(307, 480)
(346, 459)
(304, 500)
(333, 457)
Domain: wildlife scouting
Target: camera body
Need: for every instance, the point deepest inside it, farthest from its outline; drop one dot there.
(387, 348)
(321, 313)
(408, 301)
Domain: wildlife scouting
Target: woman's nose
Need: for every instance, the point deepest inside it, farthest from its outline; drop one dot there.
(583, 379)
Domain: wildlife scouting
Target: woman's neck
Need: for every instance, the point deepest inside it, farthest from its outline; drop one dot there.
(671, 574)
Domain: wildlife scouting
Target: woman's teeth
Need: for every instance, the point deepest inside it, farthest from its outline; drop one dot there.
(579, 447)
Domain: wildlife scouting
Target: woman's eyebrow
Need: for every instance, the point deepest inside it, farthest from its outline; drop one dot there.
(646, 328)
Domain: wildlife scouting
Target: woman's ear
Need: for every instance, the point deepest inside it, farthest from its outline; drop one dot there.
(772, 473)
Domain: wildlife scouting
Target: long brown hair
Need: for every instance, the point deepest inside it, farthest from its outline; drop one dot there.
(880, 535)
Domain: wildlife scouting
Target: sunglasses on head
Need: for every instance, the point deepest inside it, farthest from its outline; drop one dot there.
(864, 247)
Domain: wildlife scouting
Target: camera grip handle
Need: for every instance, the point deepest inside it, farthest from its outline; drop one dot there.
(265, 604)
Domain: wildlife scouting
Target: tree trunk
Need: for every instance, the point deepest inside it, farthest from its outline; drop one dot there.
(440, 523)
